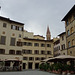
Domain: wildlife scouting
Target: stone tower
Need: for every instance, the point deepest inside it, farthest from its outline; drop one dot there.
(48, 34)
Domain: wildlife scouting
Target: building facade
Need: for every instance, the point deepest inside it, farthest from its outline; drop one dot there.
(20, 49)
(57, 51)
(63, 48)
(39, 37)
(11, 34)
(70, 31)
(27, 34)
(35, 50)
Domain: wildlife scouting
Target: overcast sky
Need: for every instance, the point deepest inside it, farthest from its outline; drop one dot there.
(38, 14)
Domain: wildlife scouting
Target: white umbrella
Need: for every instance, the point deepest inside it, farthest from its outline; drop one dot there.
(59, 57)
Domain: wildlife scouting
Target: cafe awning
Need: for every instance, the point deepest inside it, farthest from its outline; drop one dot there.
(61, 57)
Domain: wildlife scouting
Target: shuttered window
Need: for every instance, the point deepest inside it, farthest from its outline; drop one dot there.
(18, 52)
(3, 40)
(36, 52)
(48, 52)
(11, 51)
(12, 42)
(2, 51)
(4, 25)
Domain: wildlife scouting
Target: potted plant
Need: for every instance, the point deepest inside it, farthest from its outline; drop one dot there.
(52, 68)
(72, 69)
(41, 66)
(58, 67)
(65, 68)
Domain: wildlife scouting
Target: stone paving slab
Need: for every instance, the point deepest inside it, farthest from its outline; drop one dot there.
(30, 72)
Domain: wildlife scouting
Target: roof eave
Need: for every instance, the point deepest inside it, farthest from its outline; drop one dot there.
(11, 21)
(66, 16)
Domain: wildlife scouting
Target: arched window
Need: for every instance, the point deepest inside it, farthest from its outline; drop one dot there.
(71, 30)
(2, 51)
(11, 51)
(73, 42)
(69, 44)
(68, 32)
(18, 52)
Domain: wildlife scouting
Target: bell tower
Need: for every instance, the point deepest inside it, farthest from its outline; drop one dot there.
(48, 34)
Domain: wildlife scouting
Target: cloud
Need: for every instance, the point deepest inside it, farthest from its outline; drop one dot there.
(37, 14)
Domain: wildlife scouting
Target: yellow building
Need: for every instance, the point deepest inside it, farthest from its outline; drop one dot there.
(70, 31)
(27, 34)
(35, 50)
(11, 36)
(38, 37)
(20, 48)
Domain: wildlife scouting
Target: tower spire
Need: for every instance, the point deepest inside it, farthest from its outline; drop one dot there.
(48, 34)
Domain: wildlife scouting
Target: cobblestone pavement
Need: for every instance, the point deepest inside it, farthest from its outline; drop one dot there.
(35, 72)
